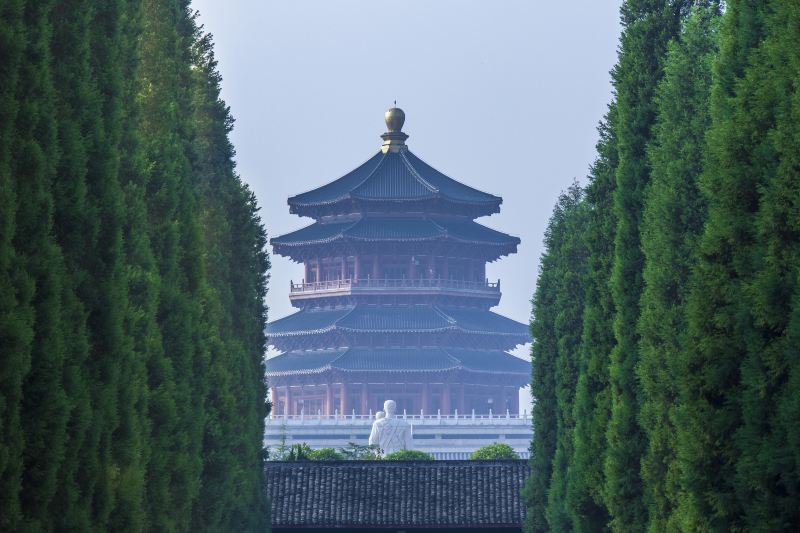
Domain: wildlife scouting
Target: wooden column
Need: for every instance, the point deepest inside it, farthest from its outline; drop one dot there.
(446, 399)
(412, 271)
(461, 403)
(364, 399)
(426, 399)
(343, 400)
(513, 406)
(357, 267)
(328, 399)
(305, 272)
(375, 268)
(344, 267)
(289, 404)
(446, 268)
(431, 266)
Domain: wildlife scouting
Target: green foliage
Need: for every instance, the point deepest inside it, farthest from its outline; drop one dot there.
(685, 419)
(648, 26)
(325, 454)
(408, 455)
(497, 451)
(359, 452)
(556, 327)
(16, 287)
(674, 212)
(586, 478)
(298, 452)
(131, 319)
(737, 438)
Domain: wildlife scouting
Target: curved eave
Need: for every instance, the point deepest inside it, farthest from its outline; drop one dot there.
(434, 204)
(374, 230)
(380, 361)
(398, 320)
(412, 331)
(393, 177)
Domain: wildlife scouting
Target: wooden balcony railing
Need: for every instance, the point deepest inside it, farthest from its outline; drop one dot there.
(392, 284)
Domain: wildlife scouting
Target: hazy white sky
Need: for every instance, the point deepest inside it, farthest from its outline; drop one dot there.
(503, 95)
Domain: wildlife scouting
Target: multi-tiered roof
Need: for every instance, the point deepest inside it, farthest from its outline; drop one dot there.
(394, 283)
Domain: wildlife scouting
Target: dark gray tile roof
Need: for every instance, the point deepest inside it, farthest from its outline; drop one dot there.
(454, 494)
(397, 229)
(397, 359)
(395, 176)
(410, 319)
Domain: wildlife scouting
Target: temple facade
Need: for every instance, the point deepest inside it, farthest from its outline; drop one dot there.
(395, 302)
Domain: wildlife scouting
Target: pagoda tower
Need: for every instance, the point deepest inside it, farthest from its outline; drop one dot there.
(395, 303)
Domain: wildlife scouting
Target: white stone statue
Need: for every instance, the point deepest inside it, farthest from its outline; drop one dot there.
(390, 434)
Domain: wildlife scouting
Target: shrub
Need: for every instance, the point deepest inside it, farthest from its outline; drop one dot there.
(299, 452)
(360, 452)
(325, 454)
(409, 455)
(494, 452)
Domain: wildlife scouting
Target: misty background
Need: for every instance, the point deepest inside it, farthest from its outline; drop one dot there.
(503, 96)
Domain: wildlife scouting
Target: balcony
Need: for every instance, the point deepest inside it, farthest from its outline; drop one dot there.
(347, 287)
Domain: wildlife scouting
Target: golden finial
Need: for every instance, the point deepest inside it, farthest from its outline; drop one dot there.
(394, 138)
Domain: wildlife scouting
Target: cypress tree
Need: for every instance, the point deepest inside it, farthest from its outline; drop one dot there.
(76, 228)
(544, 412)
(558, 303)
(585, 484)
(648, 25)
(44, 408)
(176, 375)
(232, 492)
(114, 159)
(739, 444)
(568, 247)
(768, 108)
(674, 212)
(16, 288)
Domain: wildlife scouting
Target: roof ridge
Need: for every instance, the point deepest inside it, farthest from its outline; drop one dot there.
(492, 197)
(432, 220)
(335, 324)
(447, 317)
(340, 197)
(349, 193)
(342, 354)
(459, 362)
(425, 183)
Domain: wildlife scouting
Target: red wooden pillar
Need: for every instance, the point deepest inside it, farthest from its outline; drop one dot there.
(344, 268)
(513, 400)
(289, 404)
(364, 398)
(426, 399)
(343, 399)
(356, 268)
(446, 399)
(306, 269)
(328, 399)
(461, 403)
(375, 268)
